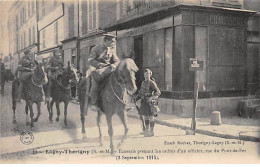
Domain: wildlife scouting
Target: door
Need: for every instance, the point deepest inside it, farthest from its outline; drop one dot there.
(138, 49)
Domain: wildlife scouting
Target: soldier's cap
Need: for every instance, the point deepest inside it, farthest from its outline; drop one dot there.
(109, 36)
(56, 51)
(26, 52)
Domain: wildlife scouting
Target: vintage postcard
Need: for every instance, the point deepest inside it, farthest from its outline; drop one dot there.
(130, 81)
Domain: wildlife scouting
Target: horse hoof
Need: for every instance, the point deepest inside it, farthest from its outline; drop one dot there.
(14, 122)
(27, 123)
(57, 119)
(32, 125)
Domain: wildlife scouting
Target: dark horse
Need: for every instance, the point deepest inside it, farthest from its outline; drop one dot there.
(61, 91)
(32, 93)
(112, 96)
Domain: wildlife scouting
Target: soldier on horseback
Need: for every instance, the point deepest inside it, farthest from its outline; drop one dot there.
(104, 60)
(25, 67)
(54, 67)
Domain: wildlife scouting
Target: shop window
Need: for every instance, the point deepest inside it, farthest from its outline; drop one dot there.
(33, 34)
(30, 39)
(43, 39)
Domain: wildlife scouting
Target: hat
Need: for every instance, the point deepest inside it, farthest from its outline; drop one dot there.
(109, 36)
(26, 52)
(56, 51)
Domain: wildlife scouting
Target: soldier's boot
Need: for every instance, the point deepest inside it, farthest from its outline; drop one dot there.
(20, 90)
(94, 94)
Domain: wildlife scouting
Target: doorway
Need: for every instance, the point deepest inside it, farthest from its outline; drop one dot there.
(138, 49)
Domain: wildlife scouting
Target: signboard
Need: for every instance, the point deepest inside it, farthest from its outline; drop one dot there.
(196, 65)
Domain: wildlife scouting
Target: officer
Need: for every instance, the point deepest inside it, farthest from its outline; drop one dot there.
(54, 67)
(104, 60)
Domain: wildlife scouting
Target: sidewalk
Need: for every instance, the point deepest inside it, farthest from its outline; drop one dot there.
(232, 127)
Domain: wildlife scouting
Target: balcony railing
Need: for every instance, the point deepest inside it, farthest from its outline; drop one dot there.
(142, 6)
(120, 10)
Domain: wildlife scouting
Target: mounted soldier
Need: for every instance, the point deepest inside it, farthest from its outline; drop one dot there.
(25, 69)
(104, 61)
(54, 67)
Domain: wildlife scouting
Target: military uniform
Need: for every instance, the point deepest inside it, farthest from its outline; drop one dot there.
(25, 68)
(105, 61)
(54, 67)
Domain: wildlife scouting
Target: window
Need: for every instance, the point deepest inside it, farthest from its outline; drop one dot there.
(43, 39)
(33, 34)
(29, 8)
(21, 18)
(17, 43)
(16, 23)
(56, 34)
(30, 35)
(43, 8)
(21, 42)
(32, 6)
(54, 3)
(24, 15)
(92, 15)
(24, 39)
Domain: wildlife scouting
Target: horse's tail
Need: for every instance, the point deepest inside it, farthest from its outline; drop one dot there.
(15, 85)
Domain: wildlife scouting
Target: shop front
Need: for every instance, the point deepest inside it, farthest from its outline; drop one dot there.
(165, 45)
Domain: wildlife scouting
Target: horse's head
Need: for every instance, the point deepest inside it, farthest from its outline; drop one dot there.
(40, 73)
(70, 73)
(126, 70)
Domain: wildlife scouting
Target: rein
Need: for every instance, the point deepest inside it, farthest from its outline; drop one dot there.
(39, 86)
(121, 100)
(60, 83)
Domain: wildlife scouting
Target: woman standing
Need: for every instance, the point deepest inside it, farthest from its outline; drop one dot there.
(148, 93)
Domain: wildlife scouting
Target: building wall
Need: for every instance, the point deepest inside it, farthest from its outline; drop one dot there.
(22, 25)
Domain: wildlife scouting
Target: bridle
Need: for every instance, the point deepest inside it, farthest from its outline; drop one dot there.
(112, 88)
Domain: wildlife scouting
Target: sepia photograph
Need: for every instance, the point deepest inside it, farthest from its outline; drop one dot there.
(130, 82)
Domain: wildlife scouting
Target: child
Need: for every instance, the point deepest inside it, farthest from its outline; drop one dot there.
(148, 92)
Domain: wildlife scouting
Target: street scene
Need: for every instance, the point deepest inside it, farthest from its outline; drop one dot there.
(130, 81)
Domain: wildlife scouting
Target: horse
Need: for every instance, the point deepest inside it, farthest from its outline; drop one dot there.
(112, 97)
(61, 89)
(32, 93)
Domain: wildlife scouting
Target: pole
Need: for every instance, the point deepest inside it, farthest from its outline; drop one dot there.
(196, 90)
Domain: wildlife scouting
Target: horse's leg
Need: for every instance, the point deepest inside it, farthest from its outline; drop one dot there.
(82, 117)
(58, 110)
(51, 109)
(65, 112)
(38, 111)
(14, 108)
(30, 105)
(110, 131)
(123, 119)
(99, 129)
(26, 113)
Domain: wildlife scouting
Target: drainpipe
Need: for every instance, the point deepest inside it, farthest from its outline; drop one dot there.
(78, 43)
(37, 28)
